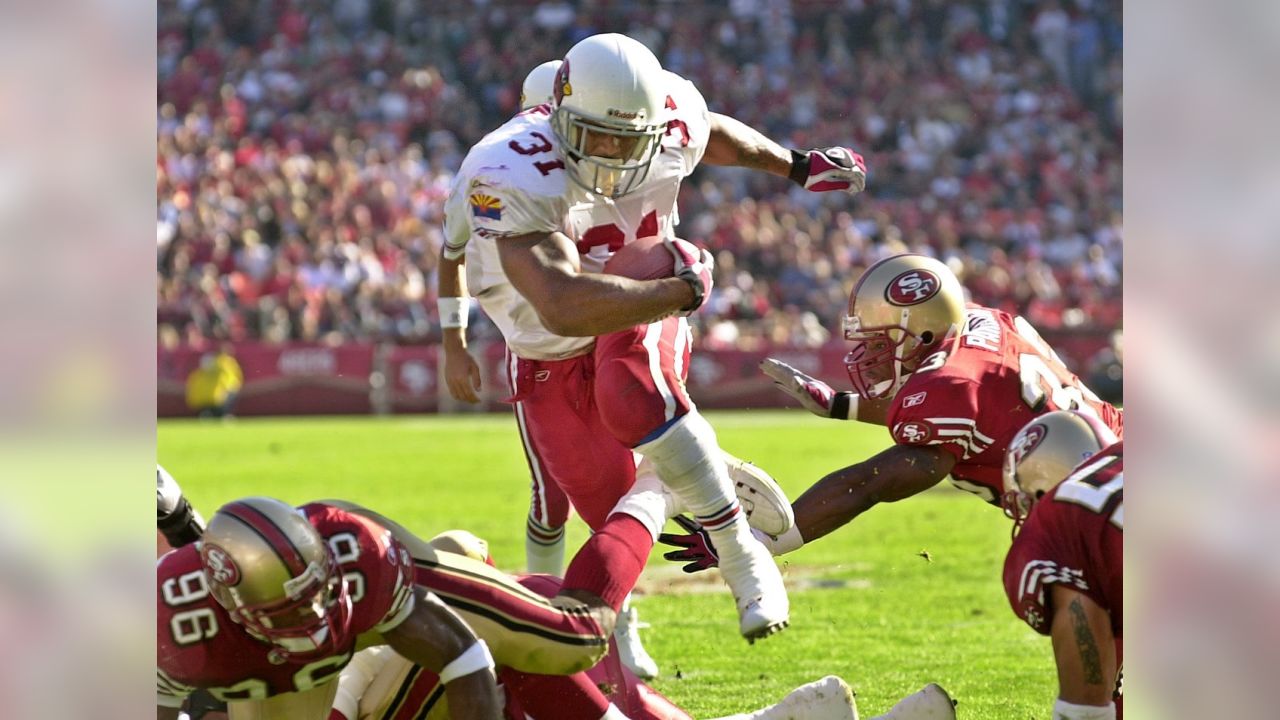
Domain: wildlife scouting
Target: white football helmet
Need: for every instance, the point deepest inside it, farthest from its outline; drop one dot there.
(609, 113)
(537, 85)
(1043, 454)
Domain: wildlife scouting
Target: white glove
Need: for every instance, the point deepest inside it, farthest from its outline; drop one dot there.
(816, 396)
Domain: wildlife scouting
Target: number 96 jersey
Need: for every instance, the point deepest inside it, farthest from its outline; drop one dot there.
(972, 398)
(200, 646)
(513, 182)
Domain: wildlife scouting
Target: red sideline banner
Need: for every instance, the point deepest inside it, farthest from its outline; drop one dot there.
(412, 377)
(295, 379)
(300, 379)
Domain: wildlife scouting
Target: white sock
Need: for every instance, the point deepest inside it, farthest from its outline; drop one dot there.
(689, 462)
(543, 554)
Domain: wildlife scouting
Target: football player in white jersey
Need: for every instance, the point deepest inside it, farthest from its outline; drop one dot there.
(597, 362)
(548, 506)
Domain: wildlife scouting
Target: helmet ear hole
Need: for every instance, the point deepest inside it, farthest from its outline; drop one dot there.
(926, 337)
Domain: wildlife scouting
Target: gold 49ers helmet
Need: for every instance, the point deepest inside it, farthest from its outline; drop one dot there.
(902, 309)
(1043, 454)
(270, 569)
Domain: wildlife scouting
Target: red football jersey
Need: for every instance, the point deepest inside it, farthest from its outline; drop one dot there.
(1074, 535)
(972, 398)
(199, 646)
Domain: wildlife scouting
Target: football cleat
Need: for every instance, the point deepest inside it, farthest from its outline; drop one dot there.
(630, 651)
(827, 699)
(767, 507)
(758, 591)
(930, 703)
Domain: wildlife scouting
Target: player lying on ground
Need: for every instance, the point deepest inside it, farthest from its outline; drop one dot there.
(953, 382)
(1064, 574)
(382, 685)
(598, 362)
(271, 603)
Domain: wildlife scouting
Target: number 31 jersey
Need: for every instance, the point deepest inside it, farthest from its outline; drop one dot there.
(200, 646)
(513, 182)
(971, 400)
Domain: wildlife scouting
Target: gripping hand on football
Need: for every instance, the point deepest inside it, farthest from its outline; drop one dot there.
(826, 169)
(816, 396)
(694, 266)
(696, 547)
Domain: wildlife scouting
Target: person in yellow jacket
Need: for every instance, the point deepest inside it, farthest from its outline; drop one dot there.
(212, 387)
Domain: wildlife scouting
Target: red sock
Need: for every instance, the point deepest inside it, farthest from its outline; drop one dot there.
(611, 561)
(572, 697)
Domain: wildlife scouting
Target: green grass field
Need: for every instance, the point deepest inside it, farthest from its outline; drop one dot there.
(865, 604)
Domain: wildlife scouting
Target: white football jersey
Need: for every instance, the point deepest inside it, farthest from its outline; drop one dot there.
(513, 183)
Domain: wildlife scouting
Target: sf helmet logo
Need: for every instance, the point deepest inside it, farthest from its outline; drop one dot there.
(218, 563)
(562, 87)
(912, 287)
(1029, 440)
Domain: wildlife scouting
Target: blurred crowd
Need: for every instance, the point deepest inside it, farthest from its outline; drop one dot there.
(306, 147)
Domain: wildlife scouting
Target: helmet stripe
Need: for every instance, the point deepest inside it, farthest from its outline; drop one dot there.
(275, 538)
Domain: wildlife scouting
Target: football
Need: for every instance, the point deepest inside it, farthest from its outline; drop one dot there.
(645, 259)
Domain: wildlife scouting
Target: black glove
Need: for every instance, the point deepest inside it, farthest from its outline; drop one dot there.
(175, 517)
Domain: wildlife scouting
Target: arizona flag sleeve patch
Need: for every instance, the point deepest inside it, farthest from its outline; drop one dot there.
(485, 206)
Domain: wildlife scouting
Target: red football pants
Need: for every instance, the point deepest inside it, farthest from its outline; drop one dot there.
(580, 417)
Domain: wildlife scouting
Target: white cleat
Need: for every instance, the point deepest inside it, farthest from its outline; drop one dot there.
(630, 651)
(756, 583)
(767, 507)
(930, 703)
(827, 699)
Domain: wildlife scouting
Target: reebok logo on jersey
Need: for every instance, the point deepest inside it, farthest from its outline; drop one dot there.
(914, 400)
(486, 206)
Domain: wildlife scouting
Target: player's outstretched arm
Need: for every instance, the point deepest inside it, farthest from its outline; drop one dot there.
(461, 373)
(821, 399)
(543, 267)
(894, 474)
(736, 144)
(1085, 651)
(437, 639)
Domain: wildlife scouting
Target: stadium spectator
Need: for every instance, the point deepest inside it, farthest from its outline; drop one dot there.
(324, 138)
(213, 386)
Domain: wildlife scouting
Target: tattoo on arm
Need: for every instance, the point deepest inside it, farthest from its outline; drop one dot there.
(1090, 659)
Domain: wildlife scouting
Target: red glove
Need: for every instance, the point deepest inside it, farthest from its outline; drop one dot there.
(826, 169)
(693, 265)
(696, 546)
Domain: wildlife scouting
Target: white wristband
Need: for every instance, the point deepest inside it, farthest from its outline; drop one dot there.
(1071, 711)
(782, 544)
(454, 311)
(473, 659)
